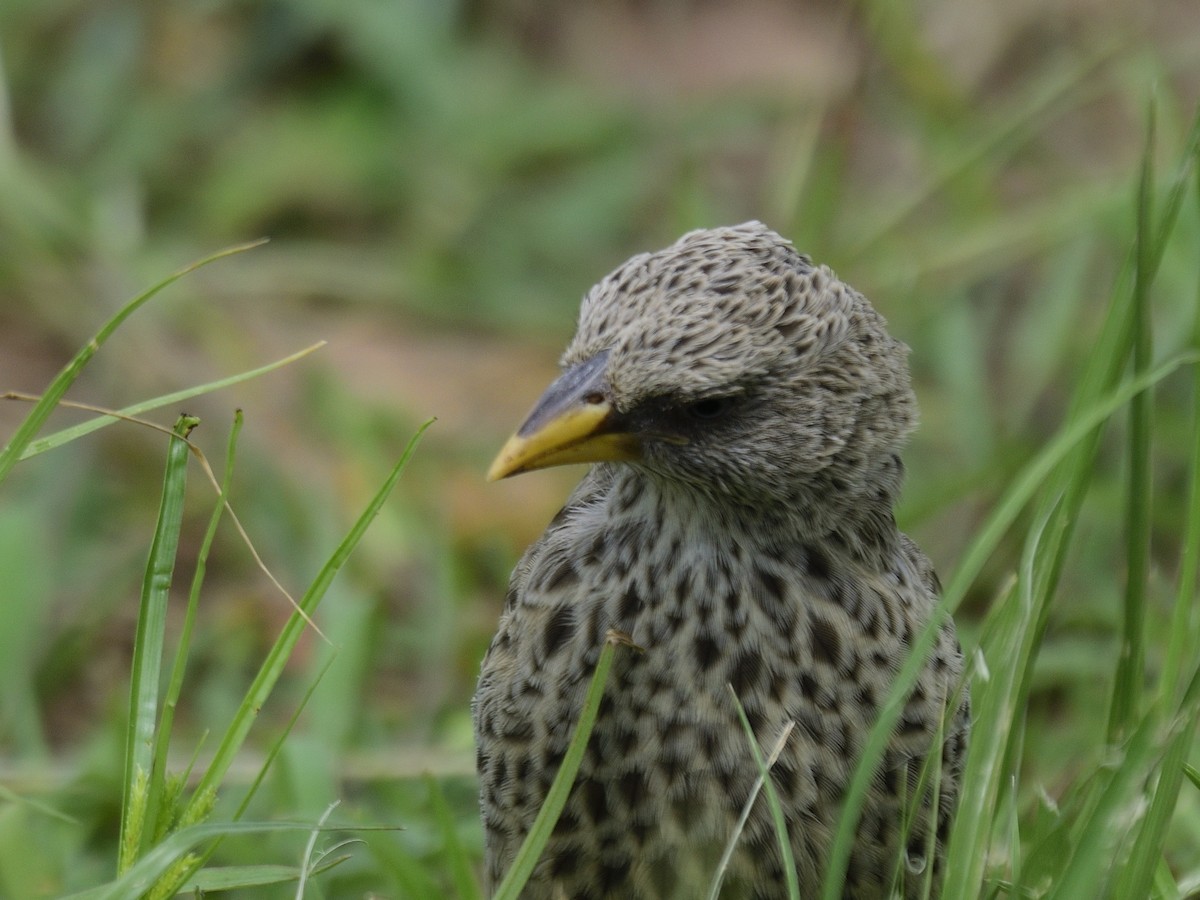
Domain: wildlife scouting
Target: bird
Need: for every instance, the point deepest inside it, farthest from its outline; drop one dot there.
(743, 412)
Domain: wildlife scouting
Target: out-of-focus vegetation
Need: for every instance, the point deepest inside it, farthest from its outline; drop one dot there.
(440, 183)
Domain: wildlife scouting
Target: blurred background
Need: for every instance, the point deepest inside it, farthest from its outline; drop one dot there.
(440, 183)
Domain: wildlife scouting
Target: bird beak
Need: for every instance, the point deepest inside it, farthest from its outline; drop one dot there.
(573, 422)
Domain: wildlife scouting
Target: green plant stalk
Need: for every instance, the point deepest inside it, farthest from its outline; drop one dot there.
(556, 798)
(458, 861)
(41, 445)
(1183, 641)
(148, 647)
(33, 423)
(930, 785)
(232, 878)
(1083, 872)
(1064, 495)
(1066, 492)
(1001, 518)
(777, 816)
(272, 667)
(1016, 864)
(186, 875)
(1176, 705)
(142, 876)
(277, 744)
(1008, 640)
(1162, 797)
(160, 814)
(1131, 661)
(1176, 701)
(1164, 886)
(310, 846)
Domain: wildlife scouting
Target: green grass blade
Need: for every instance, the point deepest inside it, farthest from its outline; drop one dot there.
(1184, 640)
(277, 744)
(1008, 641)
(777, 816)
(200, 858)
(1162, 798)
(159, 815)
(556, 798)
(1146, 859)
(310, 847)
(33, 423)
(1131, 660)
(41, 445)
(232, 878)
(158, 859)
(457, 859)
(1005, 512)
(148, 648)
(1174, 200)
(273, 666)
(1083, 873)
(1034, 472)
(1165, 886)
(9, 796)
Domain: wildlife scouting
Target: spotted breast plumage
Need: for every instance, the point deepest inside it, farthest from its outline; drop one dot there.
(744, 410)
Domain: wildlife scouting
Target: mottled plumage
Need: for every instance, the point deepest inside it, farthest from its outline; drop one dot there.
(751, 408)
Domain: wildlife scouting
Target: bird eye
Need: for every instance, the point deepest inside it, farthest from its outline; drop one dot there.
(710, 407)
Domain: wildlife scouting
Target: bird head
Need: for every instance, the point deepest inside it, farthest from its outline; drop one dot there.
(730, 363)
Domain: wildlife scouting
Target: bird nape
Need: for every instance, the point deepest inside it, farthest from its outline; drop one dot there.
(745, 411)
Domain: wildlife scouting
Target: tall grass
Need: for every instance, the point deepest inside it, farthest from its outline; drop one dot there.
(164, 834)
(417, 171)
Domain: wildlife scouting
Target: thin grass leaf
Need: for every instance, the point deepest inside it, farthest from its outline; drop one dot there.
(777, 816)
(41, 445)
(1165, 886)
(930, 785)
(1131, 660)
(8, 795)
(1193, 775)
(159, 814)
(458, 861)
(148, 649)
(310, 848)
(277, 745)
(1188, 164)
(277, 658)
(231, 878)
(1014, 833)
(142, 876)
(1008, 641)
(201, 858)
(1162, 796)
(556, 798)
(1064, 493)
(1025, 484)
(1184, 640)
(1146, 859)
(1097, 837)
(33, 423)
(1005, 512)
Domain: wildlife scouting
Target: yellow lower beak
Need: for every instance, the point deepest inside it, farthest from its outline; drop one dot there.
(573, 422)
(574, 436)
